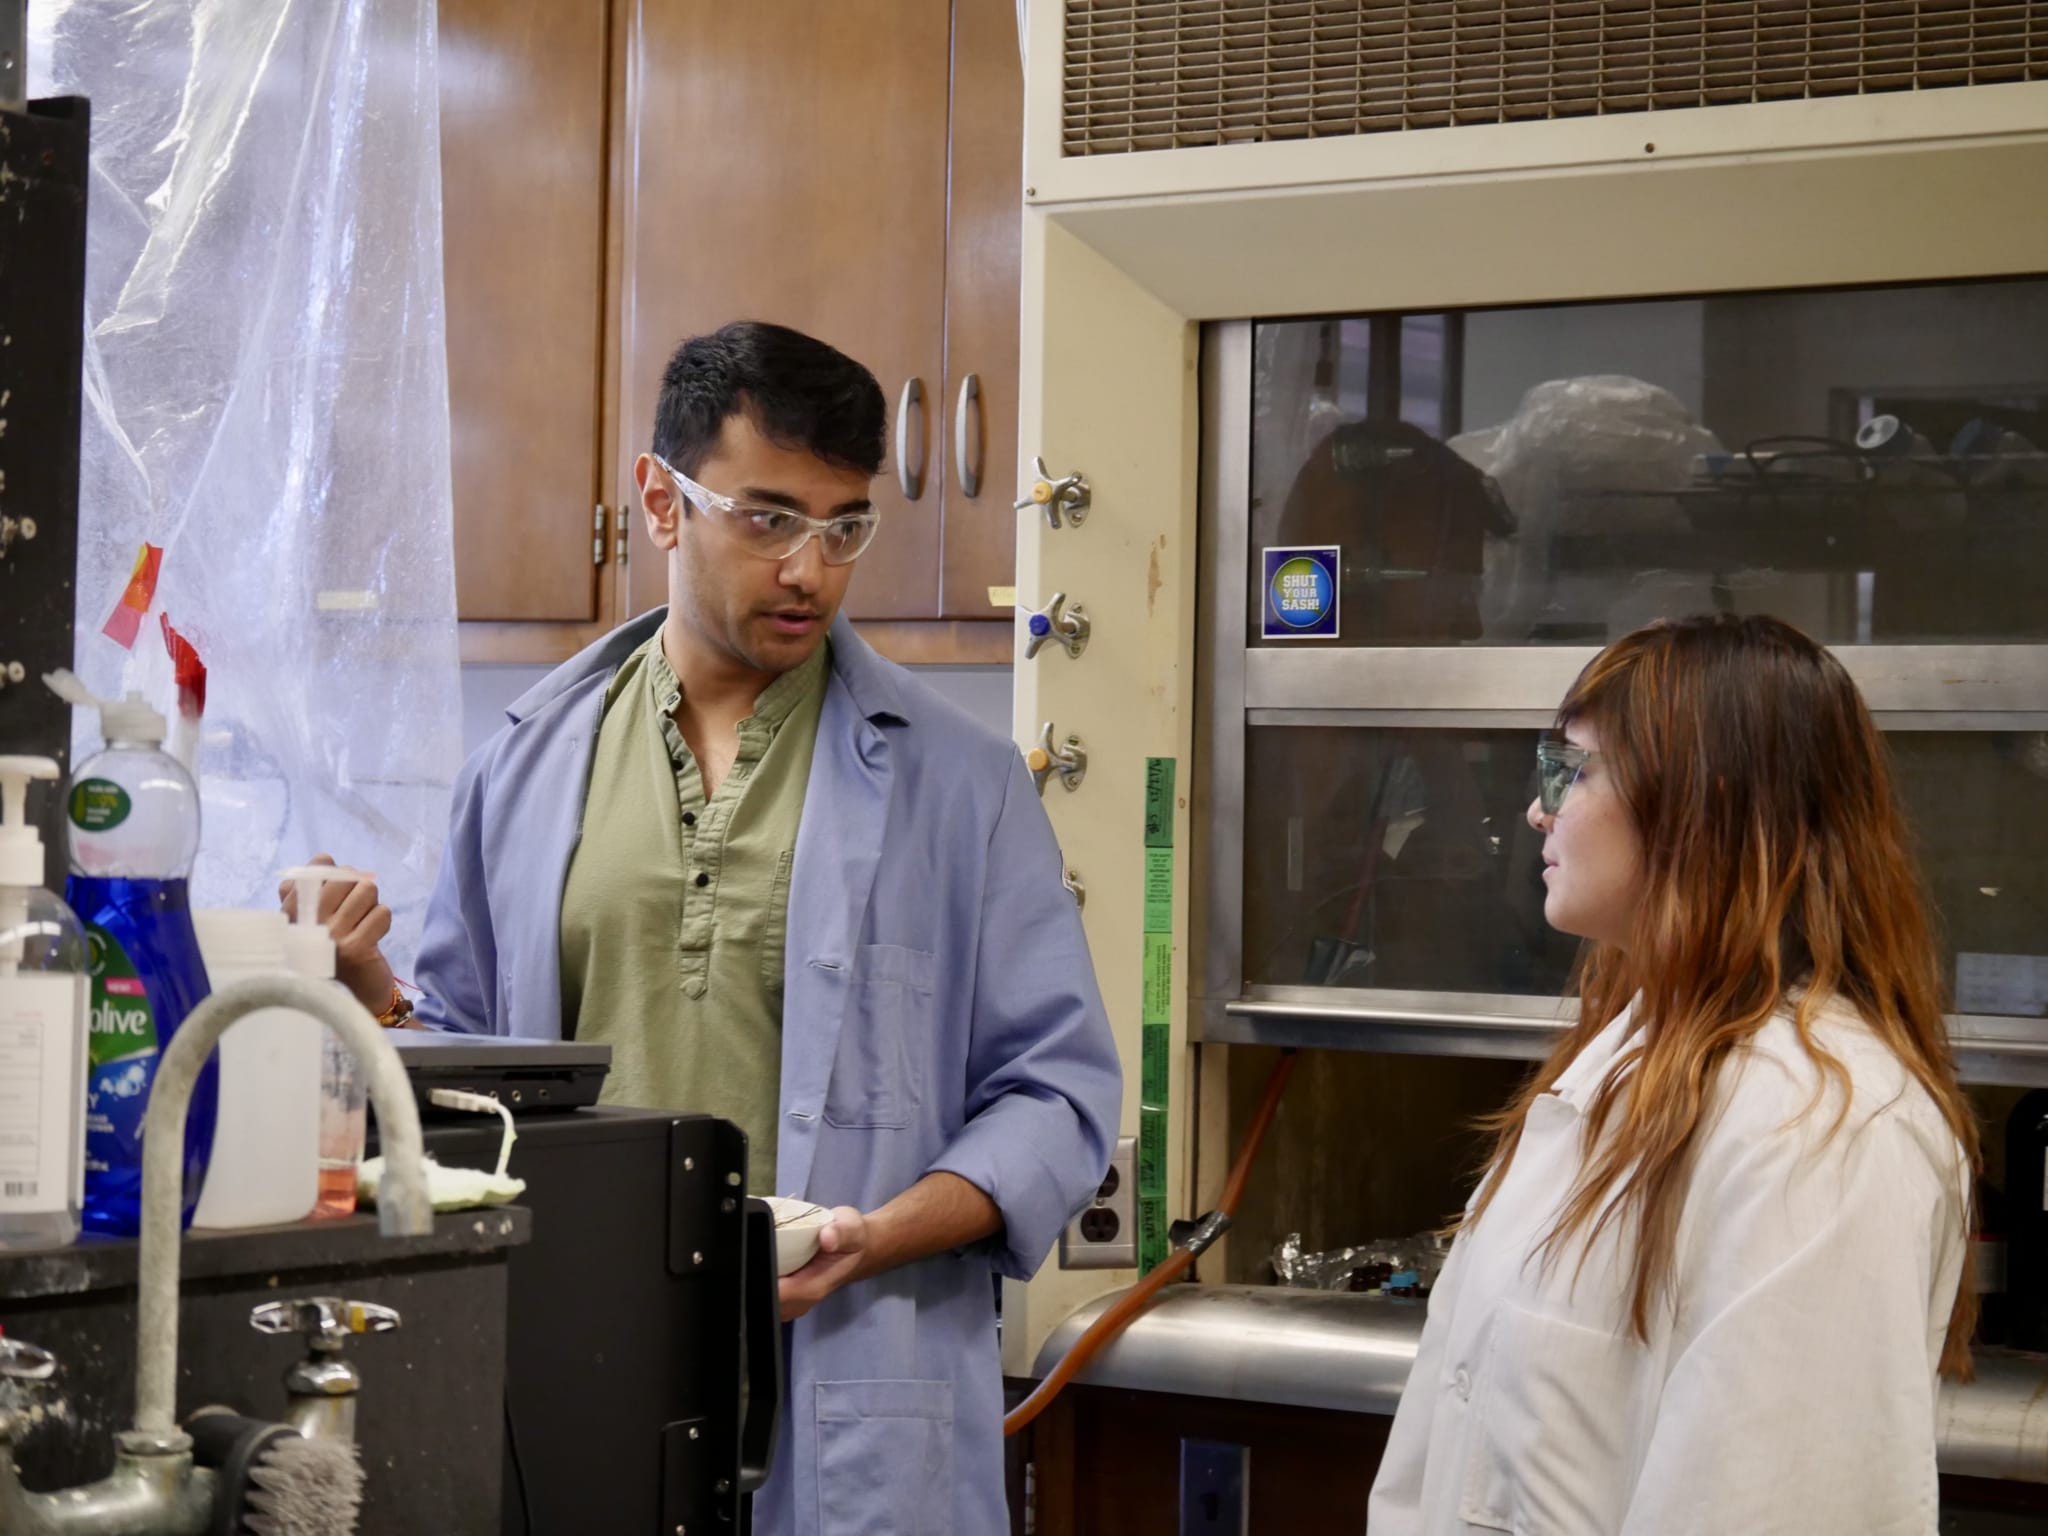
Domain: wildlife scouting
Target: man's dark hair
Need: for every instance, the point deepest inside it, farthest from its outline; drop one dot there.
(798, 392)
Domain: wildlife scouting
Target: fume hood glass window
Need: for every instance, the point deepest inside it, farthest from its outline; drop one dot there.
(1870, 464)
(1402, 859)
(1398, 859)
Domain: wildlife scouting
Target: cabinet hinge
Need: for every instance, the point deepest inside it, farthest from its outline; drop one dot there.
(597, 535)
(620, 545)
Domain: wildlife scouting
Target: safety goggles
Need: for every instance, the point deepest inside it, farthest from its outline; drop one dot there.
(1558, 765)
(775, 533)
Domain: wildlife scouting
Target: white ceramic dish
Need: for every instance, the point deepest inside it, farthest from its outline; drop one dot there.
(797, 1225)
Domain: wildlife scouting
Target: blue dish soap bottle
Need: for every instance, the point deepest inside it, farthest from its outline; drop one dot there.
(132, 815)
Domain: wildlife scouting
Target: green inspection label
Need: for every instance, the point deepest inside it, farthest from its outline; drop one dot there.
(1152, 1078)
(1151, 1147)
(1158, 802)
(1159, 890)
(1156, 1019)
(1153, 1081)
(1151, 1233)
(1158, 979)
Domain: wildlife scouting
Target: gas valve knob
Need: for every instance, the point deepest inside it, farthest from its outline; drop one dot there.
(25, 1373)
(1069, 760)
(20, 1361)
(327, 1322)
(1054, 495)
(1055, 621)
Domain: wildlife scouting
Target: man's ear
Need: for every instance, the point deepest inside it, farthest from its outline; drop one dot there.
(659, 502)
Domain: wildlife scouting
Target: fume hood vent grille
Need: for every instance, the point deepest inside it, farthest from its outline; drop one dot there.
(1174, 74)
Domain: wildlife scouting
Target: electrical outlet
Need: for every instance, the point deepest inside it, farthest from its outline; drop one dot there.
(1105, 1234)
(1215, 1488)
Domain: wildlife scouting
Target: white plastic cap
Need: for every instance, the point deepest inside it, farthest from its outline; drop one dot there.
(235, 939)
(308, 946)
(128, 718)
(21, 846)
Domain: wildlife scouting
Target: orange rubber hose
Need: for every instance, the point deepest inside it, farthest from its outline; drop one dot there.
(1140, 1296)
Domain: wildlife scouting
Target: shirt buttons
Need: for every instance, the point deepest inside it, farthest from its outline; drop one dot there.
(1462, 1384)
(689, 818)
(702, 878)
(694, 987)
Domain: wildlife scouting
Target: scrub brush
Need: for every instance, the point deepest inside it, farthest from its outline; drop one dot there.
(274, 1481)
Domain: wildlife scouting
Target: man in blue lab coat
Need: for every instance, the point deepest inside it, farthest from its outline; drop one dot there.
(794, 887)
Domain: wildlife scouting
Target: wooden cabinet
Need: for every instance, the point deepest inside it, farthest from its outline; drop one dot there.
(984, 236)
(523, 156)
(790, 165)
(613, 184)
(1108, 1462)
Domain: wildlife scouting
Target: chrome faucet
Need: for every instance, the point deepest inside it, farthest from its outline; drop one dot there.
(321, 1389)
(155, 1489)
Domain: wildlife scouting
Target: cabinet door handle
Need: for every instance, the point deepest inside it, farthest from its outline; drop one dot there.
(966, 432)
(909, 461)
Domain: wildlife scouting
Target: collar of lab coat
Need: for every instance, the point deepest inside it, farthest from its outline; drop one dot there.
(1578, 1082)
(871, 681)
(1581, 1080)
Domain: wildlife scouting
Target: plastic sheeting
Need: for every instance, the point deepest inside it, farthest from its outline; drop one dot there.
(1584, 456)
(266, 399)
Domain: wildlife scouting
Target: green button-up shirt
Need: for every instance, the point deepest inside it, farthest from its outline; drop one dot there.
(676, 906)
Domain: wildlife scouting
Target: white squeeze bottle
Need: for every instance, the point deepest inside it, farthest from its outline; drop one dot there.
(265, 1169)
(44, 986)
(343, 1118)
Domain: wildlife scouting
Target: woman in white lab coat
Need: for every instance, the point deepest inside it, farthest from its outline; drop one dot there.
(1713, 1270)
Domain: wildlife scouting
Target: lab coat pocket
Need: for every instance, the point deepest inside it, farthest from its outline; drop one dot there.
(1552, 1445)
(875, 1077)
(885, 1458)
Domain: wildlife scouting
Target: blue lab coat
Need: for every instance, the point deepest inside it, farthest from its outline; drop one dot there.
(940, 1012)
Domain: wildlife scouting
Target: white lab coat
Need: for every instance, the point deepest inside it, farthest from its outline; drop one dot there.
(1791, 1387)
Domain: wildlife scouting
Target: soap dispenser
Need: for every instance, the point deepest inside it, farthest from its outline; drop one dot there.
(344, 1109)
(42, 1032)
(133, 824)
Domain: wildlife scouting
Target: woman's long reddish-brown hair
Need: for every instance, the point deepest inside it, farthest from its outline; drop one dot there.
(1776, 874)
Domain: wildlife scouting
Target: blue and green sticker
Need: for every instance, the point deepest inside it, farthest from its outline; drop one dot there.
(1301, 598)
